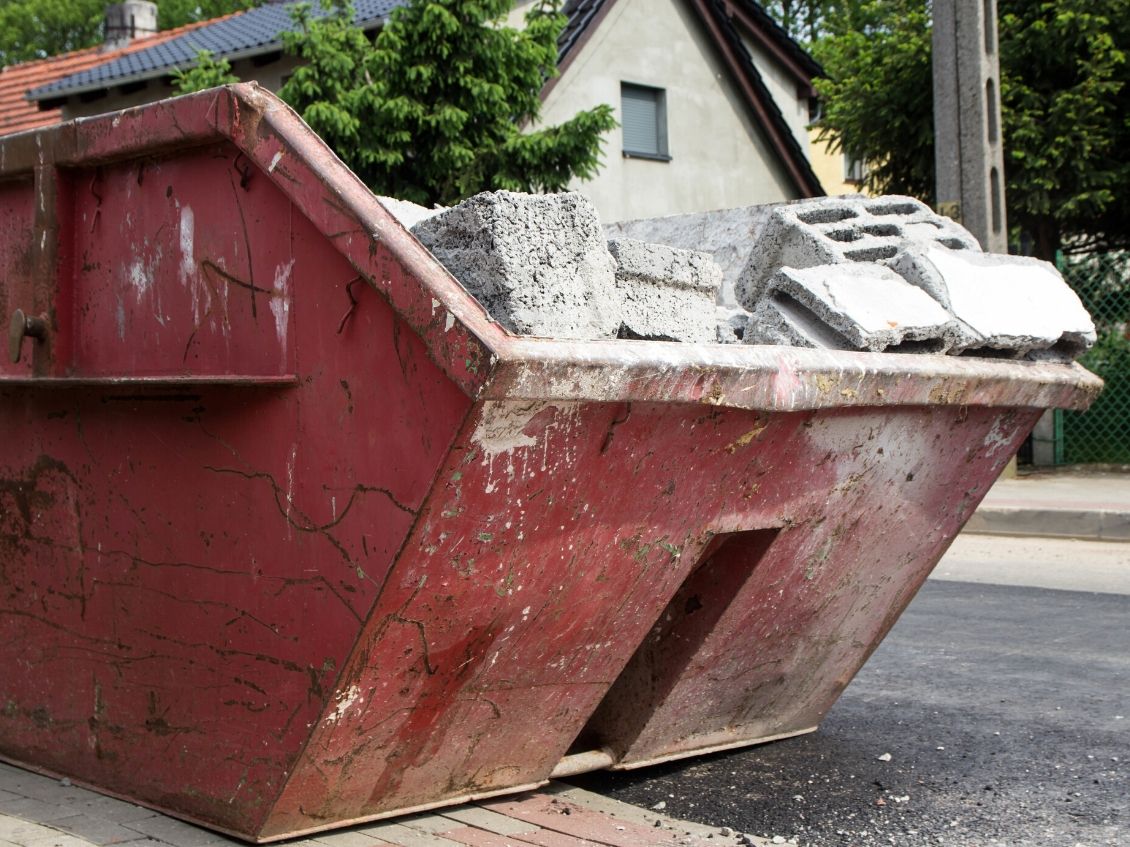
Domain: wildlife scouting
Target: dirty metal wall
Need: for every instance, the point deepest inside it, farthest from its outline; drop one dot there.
(557, 536)
(186, 566)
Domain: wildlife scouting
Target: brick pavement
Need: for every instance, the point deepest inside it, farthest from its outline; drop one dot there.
(38, 811)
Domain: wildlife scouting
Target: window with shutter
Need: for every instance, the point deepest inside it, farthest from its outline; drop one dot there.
(855, 170)
(643, 118)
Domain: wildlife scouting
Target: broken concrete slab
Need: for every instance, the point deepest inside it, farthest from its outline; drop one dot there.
(538, 263)
(728, 235)
(665, 293)
(1011, 303)
(851, 307)
(409, 214)
(837, 230)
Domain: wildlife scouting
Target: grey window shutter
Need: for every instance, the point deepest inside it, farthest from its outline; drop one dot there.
(640, 119)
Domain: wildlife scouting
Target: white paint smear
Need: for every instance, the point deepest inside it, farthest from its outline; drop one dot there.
(187, 246)
(500, 427)
(280, 301)
(346, 700)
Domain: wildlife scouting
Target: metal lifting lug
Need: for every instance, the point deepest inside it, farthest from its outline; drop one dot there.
(21, 326)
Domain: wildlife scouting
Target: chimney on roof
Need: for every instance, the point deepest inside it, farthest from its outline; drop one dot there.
(127, 21)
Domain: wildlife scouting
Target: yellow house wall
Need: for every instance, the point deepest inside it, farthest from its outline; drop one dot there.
(829, 167)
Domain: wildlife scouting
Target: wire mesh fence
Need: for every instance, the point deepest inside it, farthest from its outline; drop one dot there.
(1102, 433)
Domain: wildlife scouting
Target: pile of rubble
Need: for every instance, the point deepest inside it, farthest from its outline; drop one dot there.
(845, 273)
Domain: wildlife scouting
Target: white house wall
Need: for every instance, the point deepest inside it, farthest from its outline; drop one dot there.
(783, 86)
(718, 158)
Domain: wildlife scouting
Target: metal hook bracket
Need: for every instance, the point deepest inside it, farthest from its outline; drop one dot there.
(22, 326)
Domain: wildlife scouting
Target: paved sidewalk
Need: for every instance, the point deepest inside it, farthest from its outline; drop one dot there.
(37, 811)
(1057, 504)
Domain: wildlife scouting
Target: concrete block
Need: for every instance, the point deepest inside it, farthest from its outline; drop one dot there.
(728, 235)
(538, 263)
(850, 307)
(409, 214)
(837, 230)
(664, 293)
(1010, 303)
(731, 324)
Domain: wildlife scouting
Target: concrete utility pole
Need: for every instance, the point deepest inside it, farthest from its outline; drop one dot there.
(968, 149)
(969, 157)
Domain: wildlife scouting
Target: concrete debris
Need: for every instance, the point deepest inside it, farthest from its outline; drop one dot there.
(665, 294)
(729, 235)
(731, 323)
(850, 307)
(540, 265)
(878, 274)
(821, 277)
(537, 263)
(409, 214)
(837, 230)
(1011, 304)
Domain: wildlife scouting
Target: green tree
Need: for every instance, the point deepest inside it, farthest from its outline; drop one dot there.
(34, 29)
(803, 20)
(877, 97)
(445, 103)
(1065, 92)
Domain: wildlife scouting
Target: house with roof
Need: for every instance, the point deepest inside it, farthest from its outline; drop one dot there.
(714, 98)
(19, 113)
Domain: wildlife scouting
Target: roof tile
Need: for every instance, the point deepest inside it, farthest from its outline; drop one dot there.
(17, 113)
(239, 34)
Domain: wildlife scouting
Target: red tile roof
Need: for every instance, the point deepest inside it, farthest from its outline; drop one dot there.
(17, 113)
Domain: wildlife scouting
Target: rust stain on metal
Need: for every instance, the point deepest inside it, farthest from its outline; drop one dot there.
(744, 439)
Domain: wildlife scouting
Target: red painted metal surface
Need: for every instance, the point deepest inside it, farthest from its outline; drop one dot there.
(292, 535)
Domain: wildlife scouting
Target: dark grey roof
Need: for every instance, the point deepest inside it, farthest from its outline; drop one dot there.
(579, 13)
(249, 33)
(780, 135)
(778, 34)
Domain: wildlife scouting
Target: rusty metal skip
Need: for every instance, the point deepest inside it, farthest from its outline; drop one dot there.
(293, 536)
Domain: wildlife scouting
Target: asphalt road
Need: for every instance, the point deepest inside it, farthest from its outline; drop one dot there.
(1005, 710)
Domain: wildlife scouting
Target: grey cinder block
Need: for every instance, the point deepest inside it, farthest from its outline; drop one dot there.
(537, 263)
(836, 230)
(665, 293)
